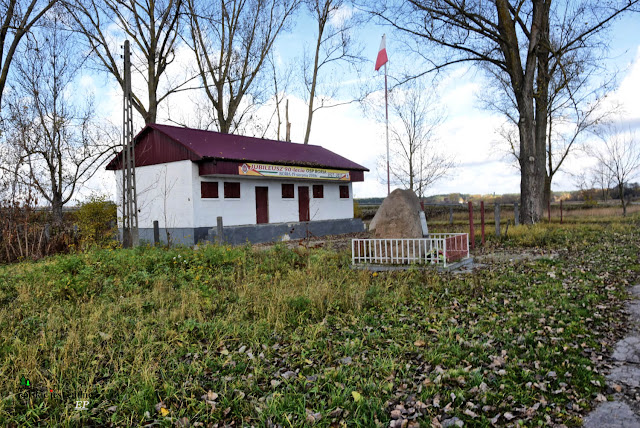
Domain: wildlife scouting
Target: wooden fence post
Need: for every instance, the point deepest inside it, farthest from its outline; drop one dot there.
(496, 213)
(450, 216)
(560, 211)
(156, 232)
(516, 214)
(482, 220)
(471, 230)
(220, 231)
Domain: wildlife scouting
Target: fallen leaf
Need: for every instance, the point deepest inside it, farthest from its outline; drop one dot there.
(346, 360)
(396, 414)
(336, 413)
(356, 396)
(312, 417)
(470, 413)
(288, 374)
(210, 396)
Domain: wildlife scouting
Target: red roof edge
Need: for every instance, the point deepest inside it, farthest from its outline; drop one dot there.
(115, 162)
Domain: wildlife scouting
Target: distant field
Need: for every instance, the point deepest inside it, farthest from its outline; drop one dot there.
(571, 213)
(294, 337)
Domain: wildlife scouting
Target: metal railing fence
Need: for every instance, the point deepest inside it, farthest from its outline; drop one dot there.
(438, 248)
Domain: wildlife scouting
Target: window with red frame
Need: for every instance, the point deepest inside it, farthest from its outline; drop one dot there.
(344, 192)
(231, 190)
(209, 189)
(287, 191)
(318, 191)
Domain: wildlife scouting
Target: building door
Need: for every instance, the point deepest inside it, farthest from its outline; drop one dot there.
(303, 203)
(262, 204)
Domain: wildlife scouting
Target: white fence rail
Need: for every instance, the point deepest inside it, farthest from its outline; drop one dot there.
(438, 248)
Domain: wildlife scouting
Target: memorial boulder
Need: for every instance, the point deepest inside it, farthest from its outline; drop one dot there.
(398, 216)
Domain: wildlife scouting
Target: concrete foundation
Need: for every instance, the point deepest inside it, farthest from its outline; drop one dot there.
(178, 235)
(254, 233)
(258, 233)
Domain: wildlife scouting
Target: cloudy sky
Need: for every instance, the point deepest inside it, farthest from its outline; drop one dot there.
(468, 133)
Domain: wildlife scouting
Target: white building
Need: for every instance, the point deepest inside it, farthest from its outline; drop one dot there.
(263, 189)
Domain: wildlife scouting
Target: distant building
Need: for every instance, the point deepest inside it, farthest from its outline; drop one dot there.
(263, 189)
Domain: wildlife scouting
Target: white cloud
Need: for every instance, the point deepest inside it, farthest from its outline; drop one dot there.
(341, 15)
(628, 93)
(468, 133)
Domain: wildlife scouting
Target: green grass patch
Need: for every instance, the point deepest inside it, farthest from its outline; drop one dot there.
(222, 334)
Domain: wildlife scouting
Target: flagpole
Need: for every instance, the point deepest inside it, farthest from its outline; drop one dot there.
(386, 115)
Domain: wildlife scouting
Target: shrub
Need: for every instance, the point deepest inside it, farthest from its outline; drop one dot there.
(357, 211)
(26, 232)
(96, 221)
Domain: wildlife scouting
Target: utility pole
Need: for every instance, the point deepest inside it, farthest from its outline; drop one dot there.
(130, 236)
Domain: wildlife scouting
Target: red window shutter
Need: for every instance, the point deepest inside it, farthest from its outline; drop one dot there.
(318, 191)
(287, 191)
(344, 191)
(231, 190)
(209, 189)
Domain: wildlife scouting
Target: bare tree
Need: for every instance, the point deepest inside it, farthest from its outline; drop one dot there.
(17, 17)
(54, 137)
(415, 162)
(619, 154)
(153, 26)
(281, 78)
(231, 40)
(518, 40)
(592, 180)
(576, 107)
(601, 179)
(278, 93)
(334, 46)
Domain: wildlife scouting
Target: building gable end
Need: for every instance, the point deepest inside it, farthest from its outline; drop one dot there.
(155, 147)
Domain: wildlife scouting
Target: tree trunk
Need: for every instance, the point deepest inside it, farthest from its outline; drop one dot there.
(56, 210)
(621, 192)
(532, 167)
(150, 116)
(152, 82)
(531, 195)
(547, 189)
(288, 124)
(530, 85)
(224, 123)
(312, 93)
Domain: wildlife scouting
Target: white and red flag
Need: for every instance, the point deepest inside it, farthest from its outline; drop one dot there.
(382, 53)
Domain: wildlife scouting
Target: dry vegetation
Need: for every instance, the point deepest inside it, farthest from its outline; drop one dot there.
(292, 337)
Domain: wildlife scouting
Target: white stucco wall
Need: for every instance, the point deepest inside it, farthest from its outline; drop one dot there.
(281, 210)
(165, 194)
(170, 193)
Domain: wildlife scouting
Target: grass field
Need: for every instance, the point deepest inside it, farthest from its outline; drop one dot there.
(571, 213)
(294, 337)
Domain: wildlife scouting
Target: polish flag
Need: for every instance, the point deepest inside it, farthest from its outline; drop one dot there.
(382, 53)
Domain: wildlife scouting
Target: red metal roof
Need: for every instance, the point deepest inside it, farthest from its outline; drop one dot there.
(214, 145)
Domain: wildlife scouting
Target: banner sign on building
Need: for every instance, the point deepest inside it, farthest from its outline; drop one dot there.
(284, 171)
